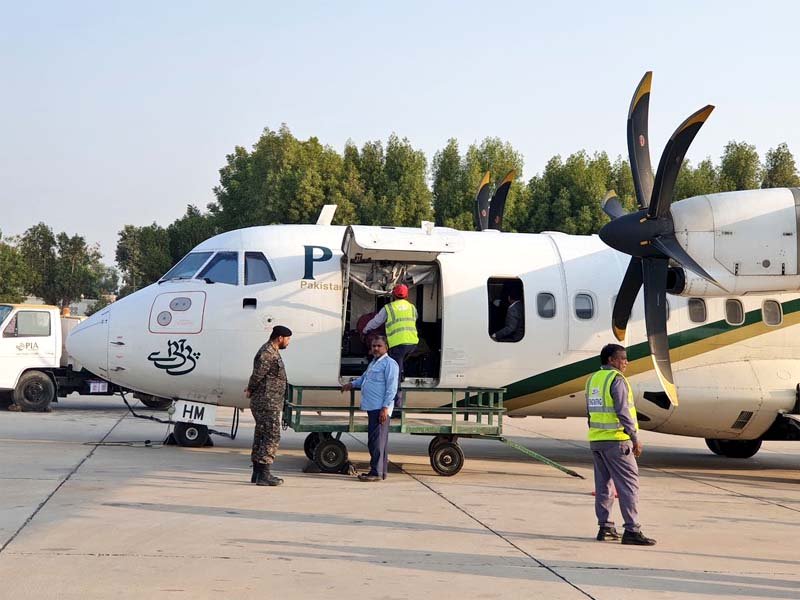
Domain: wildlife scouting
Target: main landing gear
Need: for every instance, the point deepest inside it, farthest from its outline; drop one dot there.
(734, 448)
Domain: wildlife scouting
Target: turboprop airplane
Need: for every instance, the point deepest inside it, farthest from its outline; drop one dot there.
(729, 330)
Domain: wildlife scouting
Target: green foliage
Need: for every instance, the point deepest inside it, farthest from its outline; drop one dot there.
(188, 231)
(143, 256)
(704, 179)
(740, 168)
(779, 168)
(12, 272)
(98, 305)
(63, 268)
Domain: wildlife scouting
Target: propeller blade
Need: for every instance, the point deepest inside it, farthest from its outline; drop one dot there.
(628, 290)
(672, 160)
(482, 204)
(655, 311)
(669, 246)
(498, 204)
(639, 142)
(612, 206)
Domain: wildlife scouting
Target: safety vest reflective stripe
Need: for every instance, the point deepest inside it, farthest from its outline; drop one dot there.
(604, 424)
(401, 320)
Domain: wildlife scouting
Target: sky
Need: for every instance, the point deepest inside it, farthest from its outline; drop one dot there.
(118, 113)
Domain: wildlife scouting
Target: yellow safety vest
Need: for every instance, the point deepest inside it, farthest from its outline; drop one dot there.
(401, 323)
(604, 425)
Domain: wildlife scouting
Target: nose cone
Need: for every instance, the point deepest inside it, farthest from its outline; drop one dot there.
(88, 343)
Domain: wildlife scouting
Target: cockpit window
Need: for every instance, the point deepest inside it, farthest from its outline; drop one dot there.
(188, 266)
(223, 268)
(257, 269)
(4, 310)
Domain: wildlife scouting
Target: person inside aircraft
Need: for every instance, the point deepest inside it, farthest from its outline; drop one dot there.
(378, 387)
(514, 327)
(400, 317)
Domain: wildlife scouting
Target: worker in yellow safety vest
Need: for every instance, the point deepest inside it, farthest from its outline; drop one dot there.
(615, 446)
(400, 317)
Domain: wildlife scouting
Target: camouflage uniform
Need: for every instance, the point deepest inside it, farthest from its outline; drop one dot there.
(267, 387)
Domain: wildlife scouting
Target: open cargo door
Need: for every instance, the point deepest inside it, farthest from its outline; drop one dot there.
(375, 259)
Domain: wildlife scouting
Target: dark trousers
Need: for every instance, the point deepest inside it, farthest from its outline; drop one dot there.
(399, 353)
(377, 442)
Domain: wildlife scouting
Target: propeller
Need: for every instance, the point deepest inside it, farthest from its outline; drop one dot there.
(648, 235)
(497, 206)
(482, 204)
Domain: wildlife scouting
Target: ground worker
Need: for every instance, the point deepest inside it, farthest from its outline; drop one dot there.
(615, 445)
(400, 317)
(266, 390)
(378, 386)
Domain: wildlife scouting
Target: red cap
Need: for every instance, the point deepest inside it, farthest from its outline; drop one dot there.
(400, 291)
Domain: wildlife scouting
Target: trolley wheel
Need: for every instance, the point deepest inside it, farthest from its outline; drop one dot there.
(447, 458)
(312, 439)
(190, 435)
(435, 441)
(330, 455)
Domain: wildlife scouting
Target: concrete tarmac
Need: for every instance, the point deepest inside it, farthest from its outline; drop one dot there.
(83, 514)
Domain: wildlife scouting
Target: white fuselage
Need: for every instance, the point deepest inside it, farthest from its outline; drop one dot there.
(205, 352)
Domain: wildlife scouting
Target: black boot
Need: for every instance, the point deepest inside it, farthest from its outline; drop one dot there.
(264, 477)
(607, 534)
(254, 476)
(637, 538)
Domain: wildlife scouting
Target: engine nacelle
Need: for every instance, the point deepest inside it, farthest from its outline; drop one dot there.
(747, 241)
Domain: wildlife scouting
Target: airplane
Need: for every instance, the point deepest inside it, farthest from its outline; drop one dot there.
(729, 328)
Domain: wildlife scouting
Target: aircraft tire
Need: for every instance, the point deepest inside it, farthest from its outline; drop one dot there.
(154, 402)
(34, 392)
(734, 448)
(330, 455)
(447, 458)
(190, 435)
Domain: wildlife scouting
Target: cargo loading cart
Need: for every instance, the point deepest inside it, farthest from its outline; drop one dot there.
(470, 413)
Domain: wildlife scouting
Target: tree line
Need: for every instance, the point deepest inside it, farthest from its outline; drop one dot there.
(283, 179)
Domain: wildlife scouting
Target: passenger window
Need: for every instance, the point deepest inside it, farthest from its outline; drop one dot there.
(28, 323)
(772, 312)
(697, 310)
(187, 267)
(257, 269)
(734, 312)
(584, 306)
(506, 309)
(223, 268)
(546, 305)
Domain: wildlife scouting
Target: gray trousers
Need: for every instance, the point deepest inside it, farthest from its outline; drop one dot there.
(615, 467)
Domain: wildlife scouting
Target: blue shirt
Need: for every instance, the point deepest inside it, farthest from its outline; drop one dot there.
(378, 384)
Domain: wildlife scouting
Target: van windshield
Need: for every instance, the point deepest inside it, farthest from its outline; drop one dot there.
(4, 311)
(187, 267)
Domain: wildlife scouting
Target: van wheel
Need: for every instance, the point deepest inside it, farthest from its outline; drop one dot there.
(34, 392)
(190, 435)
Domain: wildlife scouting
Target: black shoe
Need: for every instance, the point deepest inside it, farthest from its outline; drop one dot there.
(607, 534)
(264, 477)
(637, 538)
(254, 476)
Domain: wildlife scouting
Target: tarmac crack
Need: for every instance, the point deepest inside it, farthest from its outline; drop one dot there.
(74, 470)
(487, 527)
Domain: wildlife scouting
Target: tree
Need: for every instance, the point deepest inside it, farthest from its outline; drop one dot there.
(452, 205)
(705, 179)
(12, 273)
(98, 305)
(740, 168)
(406, 184)
(779, 168)
(566, 196)
(38, 248)
(188, 231)
(143, 256)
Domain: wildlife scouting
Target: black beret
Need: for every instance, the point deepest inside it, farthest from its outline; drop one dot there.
(280, 330)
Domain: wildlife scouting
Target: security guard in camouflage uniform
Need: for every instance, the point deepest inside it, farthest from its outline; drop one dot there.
(266, 390)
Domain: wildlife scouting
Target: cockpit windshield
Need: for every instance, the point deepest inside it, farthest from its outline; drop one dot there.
(187, 267)
(4, 310)
(223, 268)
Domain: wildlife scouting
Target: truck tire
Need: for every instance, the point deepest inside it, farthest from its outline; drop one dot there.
(6, 398)
(34, 392)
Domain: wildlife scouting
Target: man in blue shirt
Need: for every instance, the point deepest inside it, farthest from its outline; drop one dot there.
(378, 387)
